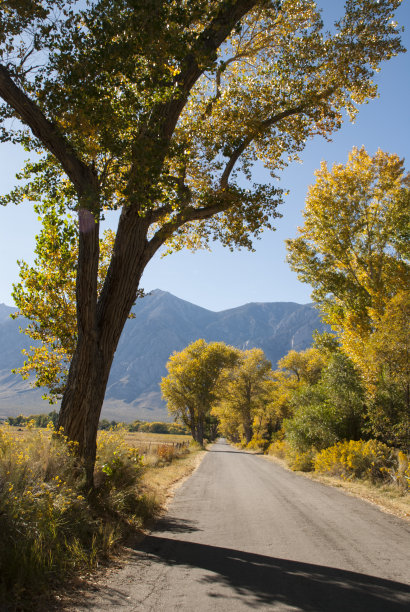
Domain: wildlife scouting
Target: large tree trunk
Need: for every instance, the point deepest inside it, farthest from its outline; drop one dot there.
(100, 325)
(247, 426)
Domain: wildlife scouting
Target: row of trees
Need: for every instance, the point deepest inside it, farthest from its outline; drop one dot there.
(355, 382)
(212, 387)
(160, 109)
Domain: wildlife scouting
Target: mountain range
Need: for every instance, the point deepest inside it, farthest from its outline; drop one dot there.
(162, 324)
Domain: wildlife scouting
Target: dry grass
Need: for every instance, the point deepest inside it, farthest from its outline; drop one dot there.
(153, 445)
(153, 437)
(162, 481)
(133, 437)
(51, 529)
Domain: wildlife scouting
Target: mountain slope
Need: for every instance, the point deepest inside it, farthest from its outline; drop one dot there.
(163, 323)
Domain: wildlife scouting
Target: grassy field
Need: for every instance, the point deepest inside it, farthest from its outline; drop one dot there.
(136, 439)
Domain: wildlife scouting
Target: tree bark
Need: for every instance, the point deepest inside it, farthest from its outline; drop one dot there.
(100, 324)
(248, 431)
(200, 432)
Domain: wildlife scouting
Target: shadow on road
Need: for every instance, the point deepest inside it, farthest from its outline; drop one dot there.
(176, 525)
(262, 580)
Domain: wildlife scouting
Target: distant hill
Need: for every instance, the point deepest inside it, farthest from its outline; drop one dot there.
(163, 323)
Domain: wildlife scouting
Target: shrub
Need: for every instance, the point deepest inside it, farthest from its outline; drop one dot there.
(166, 452)
(400, 473)
(257, 443)
(314, 425)
(278, 448)
(301, 462)
(48, 526)
(357, 459)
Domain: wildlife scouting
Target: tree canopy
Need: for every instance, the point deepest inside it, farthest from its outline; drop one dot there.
(354, 250)
(242, 392)
(353, 247)
(190, 387)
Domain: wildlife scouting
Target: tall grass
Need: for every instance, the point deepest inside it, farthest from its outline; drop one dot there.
(49, 528)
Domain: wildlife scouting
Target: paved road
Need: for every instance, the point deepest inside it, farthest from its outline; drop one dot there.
(242, 533)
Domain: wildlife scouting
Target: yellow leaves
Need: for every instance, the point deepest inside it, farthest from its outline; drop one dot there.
(174, 70)
(350, 247)
(357, 459)
(46, 295)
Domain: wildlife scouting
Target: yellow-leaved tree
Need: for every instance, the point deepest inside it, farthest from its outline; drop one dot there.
(295, 369)
(190, 386)
(243, 394)
(354, 251)
(45, 296)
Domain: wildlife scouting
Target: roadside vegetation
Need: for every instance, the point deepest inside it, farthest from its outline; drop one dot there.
(51, 527)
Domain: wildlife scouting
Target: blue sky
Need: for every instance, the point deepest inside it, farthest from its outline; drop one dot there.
(220, 279)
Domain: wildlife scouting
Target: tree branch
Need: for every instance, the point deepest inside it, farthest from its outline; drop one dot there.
(184, 216)
(206, 46)
(82, 176)
(264, 126)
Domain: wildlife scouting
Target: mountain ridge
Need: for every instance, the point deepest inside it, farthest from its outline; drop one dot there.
(163, 324)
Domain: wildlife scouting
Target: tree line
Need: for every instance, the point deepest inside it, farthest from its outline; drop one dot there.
(354, 382)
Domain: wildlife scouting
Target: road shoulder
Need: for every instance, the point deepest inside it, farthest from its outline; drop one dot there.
(388, 498)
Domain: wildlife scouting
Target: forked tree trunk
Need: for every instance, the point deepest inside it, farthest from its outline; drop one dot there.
(100, 325)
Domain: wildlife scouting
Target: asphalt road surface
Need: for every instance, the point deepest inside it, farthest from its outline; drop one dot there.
(242, 533)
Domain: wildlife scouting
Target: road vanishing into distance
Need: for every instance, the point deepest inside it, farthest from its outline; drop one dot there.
(242, 533)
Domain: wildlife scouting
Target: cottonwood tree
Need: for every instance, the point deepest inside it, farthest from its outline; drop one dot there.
(158, 108)
(243, 392)
(353, 246)
(45, 296)
(190, 387)
(295, 369)
(353, 249)
(385, 367)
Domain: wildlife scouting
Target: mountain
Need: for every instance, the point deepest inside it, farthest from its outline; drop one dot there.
(163, 323)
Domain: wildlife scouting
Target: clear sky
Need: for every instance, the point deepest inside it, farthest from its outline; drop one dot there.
(220, 279)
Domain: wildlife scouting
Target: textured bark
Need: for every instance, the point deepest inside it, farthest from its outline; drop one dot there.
(100, 324)
(200, 432)
(248, 431)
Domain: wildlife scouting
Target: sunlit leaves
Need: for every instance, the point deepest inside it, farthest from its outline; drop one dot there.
(45, 296)
(351, 247)
(110, 71)
(190, 386)
(243, 394)
(354, 250)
